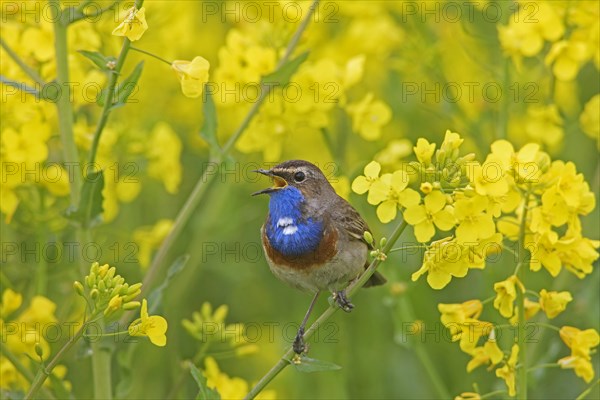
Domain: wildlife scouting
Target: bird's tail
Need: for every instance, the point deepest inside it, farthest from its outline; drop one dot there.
(375, 280)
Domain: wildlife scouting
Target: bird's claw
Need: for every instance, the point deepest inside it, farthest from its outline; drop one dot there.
(299, 346)
(342, 301)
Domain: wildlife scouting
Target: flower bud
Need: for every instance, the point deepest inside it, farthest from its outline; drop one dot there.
(426, 187)
(90, 280)
(116, 290)
(94, 268)
(94, 293)
(383, 242)
(368, 237)
(131, 296)
(440, 157)
(111, 272)
(134, 288)
(113, 305)
(78, 288)
(397, 288)
(131, 305)
(38, 350)
(101, 286)
(103, 270)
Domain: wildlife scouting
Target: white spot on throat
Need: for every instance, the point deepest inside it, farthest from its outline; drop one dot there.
(290, 230)
(285, 221)
(288, 226)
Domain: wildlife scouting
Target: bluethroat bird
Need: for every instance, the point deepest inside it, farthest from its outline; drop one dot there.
(313, 239)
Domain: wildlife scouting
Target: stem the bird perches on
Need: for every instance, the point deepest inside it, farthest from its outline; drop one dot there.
(360, 282)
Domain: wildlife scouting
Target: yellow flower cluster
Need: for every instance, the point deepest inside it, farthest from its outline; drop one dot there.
(22, 332)
(108, 292)
(513, 196)
(209, 327)
(229, 387)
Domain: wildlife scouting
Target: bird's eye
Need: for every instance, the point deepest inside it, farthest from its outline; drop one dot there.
(299, 176)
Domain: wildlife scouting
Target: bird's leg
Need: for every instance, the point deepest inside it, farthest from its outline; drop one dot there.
(299, 346)
(342, 301)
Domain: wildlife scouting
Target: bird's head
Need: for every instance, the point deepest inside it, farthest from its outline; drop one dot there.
(299, 174)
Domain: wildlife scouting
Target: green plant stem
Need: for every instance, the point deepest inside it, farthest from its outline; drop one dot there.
(286, 358)
(587, 391)
(94, 14)
(548, 326)
(540, 366)
(208, 176)
(150, 54)
(63, 103)
(108, 101)
(491, 394)
(20, 86)
(101, 356)
(22, 64)
(44, 373)
(522, 342)
(405, 312)
(21, 368)
(186, 368)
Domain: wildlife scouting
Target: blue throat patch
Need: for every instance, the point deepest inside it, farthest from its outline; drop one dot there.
(288, 231)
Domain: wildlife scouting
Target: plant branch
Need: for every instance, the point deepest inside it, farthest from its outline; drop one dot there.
(44, 373)
(22, 64)
(285, 359)
(81, 15)
(23, 87)
(520, 271)
(21, 368)
(63, 102)
(150, 54)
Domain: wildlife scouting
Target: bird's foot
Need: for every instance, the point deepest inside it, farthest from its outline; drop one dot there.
(299, 346)
(342, 301)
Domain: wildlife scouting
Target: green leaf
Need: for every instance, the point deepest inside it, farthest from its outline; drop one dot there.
(126, 88)
(204, 392)
(208, 131)
(155, 297)
(306, 364)
(100, 60)
(284, 73)
(90, 208)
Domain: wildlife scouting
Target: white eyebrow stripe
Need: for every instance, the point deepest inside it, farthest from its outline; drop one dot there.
(285, 221)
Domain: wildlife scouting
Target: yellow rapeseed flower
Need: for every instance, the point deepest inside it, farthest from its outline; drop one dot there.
(433, 212)
(424, 151)
(362, 183)
(489, 353)
(507, 372)
(474, 222)
(154, 327)
(193, 75)
(553, 303)
(581, 343)
(369, 116)
(391, 192)
(506, 293)
(134, 25)
(443, 260)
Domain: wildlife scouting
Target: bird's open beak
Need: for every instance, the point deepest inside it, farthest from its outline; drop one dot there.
(278, 182)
